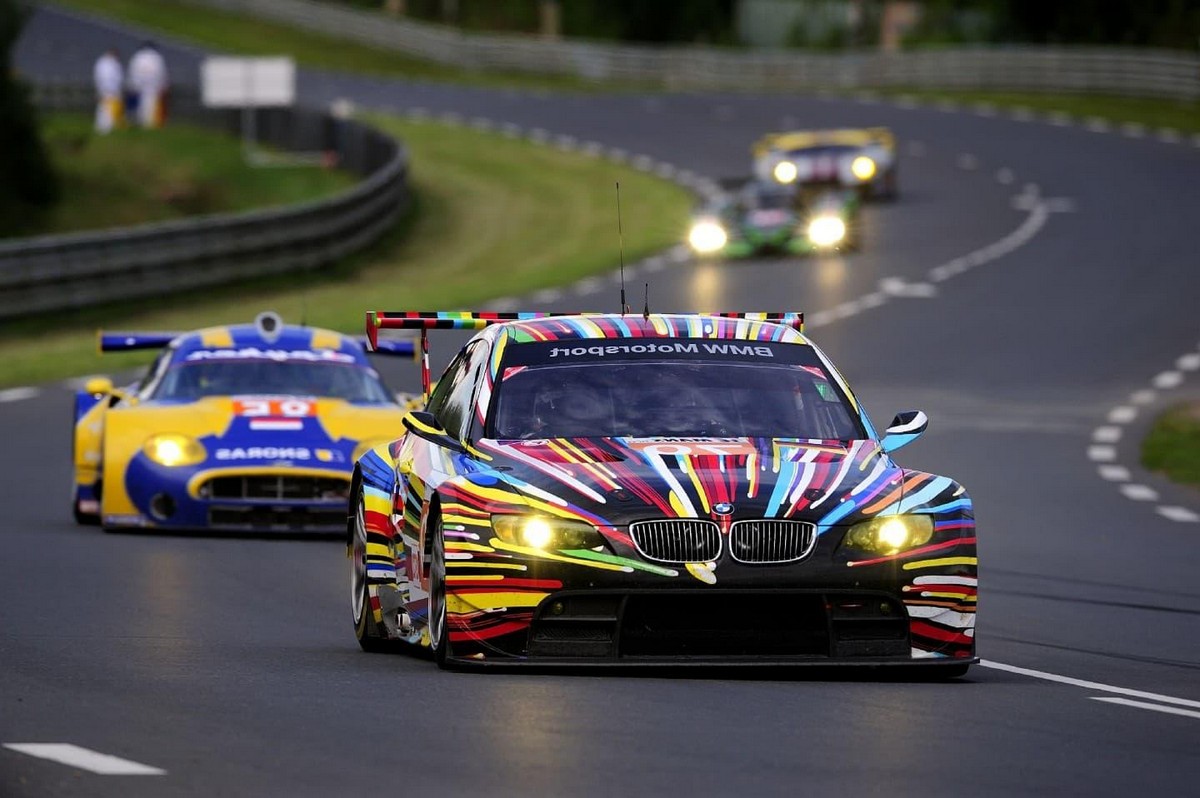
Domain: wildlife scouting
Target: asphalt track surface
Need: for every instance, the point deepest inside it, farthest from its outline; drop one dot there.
(230, 664)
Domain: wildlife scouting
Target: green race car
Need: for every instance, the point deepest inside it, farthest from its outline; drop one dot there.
(765, 217)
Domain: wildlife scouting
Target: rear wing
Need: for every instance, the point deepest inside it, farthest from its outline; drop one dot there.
(799, 139)
(425, 321)
(130, 341)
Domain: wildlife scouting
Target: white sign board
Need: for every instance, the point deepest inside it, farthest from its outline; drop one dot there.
(247, 82)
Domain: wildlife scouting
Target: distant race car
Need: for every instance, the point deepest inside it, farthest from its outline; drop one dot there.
(861, 159)
(765, 216)
(633, 489)
(251, 427)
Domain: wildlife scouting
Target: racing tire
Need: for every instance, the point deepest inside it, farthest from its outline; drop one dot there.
(439, 642)
(371, 637)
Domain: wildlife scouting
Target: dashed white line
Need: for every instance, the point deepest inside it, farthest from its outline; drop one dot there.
(984, 109)
(1059, 119)
(538, 135)
(1187, 713)
(1133, 130)
(1106, 434)
(1114, 473)
(967, 162)
(1005, 176)
(18, 394)
(510, 130)
(1021, 114)
(1102, 454)
(1169, 135)
(1143, 397)
(547, 295)
(564, 142)
(1097, 124)
(655, 263)
(1097, 686)
(1181, 514)
(482, 123)
(1122, 414)
(588, 285)
(1140, 493)
(85, 759)
(1189, 362)
(1167, 380)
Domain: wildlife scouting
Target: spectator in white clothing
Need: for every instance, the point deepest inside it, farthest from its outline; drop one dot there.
(148, 80)
(109, 77)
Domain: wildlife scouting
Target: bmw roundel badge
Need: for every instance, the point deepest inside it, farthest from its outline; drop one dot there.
(724, 508)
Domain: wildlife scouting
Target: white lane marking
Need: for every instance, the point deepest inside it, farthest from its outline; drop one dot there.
(666, 171)
(1059, 118)
(896, 286)
(1181, 514)
(1133, 130)
(617, 154)
(503, 304)
(547, 295)
(1005, 176)
(1106, 434)
(589, 285)
(655, 264)
(565, 142)
(1169, 135)
(1140, 493)
(1102, 454)
(1189, 362)
(1097, 686)
(85, 759)
(985, 109)
(643, 163)
(510, 130)
(1097, 124)
(450, 118)
(591, 148)
(538, 135)
(1143, 397)
(967, 162)
(1038, 214)
(1021, 114)
(1187, 713)
(871, 301)
(1168, 379)
(1114, 473)
(17, 394)
(1122, 414)
(482, 123)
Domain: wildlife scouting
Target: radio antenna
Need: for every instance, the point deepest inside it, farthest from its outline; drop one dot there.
(646, 308)
(621, 237)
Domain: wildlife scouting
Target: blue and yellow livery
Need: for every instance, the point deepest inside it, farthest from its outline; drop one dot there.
(251, 427)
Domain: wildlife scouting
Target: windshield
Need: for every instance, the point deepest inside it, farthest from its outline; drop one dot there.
(650, 398)
(197, 379)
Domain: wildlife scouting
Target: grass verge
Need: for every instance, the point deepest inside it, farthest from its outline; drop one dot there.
(494, 217)
(1173, 445)
(246, 34)
(133, 176)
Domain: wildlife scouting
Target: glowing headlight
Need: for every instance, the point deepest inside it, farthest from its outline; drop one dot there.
(707, 237)
(826, 231)
(890, 534)
(545, 532)
(863, 168)
(172, 449)
(785, 172)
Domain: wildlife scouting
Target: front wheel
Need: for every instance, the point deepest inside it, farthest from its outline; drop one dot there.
(370, 634)
(439, 641)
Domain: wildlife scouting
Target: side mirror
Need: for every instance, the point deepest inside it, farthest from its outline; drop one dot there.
(98, 385)
(905, 428)
(425, 426)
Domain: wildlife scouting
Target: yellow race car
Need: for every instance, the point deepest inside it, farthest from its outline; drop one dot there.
(864, 159)
(250, 428)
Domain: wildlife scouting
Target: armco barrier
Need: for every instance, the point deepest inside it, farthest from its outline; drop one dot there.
(78, 270)
(1108, 70)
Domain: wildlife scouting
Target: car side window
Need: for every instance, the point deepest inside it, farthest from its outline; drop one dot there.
(445, 385)
(455, 414)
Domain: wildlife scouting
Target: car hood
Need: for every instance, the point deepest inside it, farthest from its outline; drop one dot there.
(613, 481)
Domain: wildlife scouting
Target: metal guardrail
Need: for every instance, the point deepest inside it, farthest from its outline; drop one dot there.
(77, 270)
(1109, 70)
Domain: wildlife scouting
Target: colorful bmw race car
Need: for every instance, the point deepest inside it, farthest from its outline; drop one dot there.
(251, 428)
(765, 216)
(634, 489)
(864, 160)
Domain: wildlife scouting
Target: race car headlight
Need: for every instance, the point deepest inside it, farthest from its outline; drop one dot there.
(785, 172)
(546, 532)
(890, 534)
(707, 237)
(826, 231)
(863, 168)
(172, 449)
